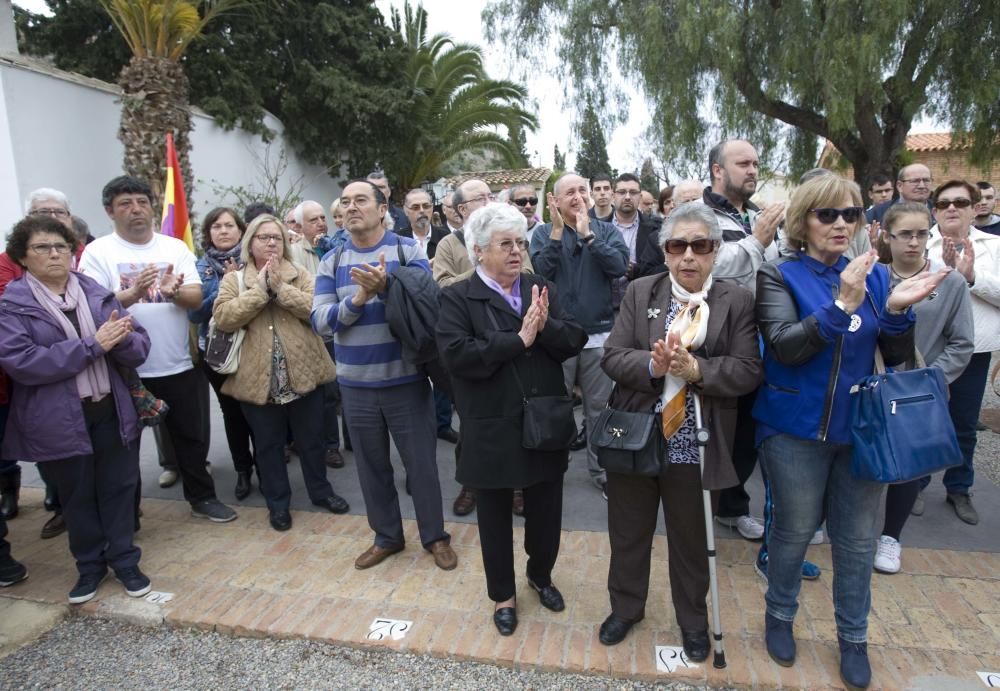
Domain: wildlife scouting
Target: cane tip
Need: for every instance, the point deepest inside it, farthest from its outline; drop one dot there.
(719, 661)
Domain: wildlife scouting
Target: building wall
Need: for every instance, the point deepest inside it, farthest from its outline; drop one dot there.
(60, 130)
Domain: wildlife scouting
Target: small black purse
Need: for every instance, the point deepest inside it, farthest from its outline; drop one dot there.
(628, 443)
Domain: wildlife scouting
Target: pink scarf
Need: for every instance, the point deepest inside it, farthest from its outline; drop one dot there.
(93, 382)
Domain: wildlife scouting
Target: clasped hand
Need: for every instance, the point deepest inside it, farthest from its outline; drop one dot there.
(370, 279)
(113, 331)
(670, 356)
(535, 318)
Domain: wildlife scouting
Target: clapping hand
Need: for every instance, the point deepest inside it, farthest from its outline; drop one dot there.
(682, 363)
(370, 279)
(767, 222)
(530, 324)
(557, 219)
(660, 356)
(262, 276)
(542, 300)
(230, 266)
(964, 262)
(915, 289)
(852, 280)
(113, 331)
(874, 230)
(170, 283)
(146, 278)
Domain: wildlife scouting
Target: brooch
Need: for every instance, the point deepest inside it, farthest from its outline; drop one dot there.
(652, 313)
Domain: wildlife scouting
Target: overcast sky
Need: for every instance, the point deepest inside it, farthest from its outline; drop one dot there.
(462, 21)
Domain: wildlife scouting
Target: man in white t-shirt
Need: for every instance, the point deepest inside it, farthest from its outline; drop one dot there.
(154, 276)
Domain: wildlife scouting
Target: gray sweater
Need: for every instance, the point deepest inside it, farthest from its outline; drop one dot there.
(944, 329)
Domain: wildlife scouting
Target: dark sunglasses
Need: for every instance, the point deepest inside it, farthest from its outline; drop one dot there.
(850, 214)
(703, 246)
(523, 201)
(959, 203)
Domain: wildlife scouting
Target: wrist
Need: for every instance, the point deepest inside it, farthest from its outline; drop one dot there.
(840, 304)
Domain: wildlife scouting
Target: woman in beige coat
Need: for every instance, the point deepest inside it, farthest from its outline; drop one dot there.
(283, 365)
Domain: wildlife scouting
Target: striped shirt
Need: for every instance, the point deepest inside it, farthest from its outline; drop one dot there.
(366, 352)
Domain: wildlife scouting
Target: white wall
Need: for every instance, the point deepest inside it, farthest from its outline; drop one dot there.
(60, 130)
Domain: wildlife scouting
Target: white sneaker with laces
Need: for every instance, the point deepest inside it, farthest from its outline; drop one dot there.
(817, 538)
(887, 555)
(747, 526)
(168, 478)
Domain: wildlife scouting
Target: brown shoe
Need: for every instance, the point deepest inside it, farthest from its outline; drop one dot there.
(54, 527)
(465, 502)
(334, 459)
(375, 555)
(444, 555)
(518, 505)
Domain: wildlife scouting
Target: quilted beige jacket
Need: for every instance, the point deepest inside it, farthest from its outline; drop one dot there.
(309, 363)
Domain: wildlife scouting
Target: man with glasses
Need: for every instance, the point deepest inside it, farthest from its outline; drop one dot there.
(603, 195)
(914, 184)
(453, 221)
(582, 257)
(399, 220)
(524, 198)
(154, 275)
(975, 255)
(382, 393)
(986, 220)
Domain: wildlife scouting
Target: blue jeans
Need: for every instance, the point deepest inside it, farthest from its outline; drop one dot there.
(803, 475)
(966, 399)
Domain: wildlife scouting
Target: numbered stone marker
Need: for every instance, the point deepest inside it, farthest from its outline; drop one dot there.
(670, 658)
(158, 598)
(990, 679)
(383, 629)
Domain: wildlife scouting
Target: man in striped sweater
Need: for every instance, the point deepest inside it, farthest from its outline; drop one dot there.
(381, 393)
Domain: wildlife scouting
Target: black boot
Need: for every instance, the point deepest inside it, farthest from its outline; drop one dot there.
(10, 491)
(243, 486)
(50, 501)
(581, 439)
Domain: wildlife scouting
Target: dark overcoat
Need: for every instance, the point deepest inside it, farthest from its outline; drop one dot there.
(481, 360)
(729, 361)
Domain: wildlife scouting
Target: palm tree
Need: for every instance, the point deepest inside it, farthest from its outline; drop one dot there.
(155, 92)
(456, 106)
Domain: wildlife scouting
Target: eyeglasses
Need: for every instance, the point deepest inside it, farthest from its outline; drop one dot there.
(267, 239)
(58, 213)
(481, 199)
(526, 201)
(908, 235)
(960, 203)
(44, 248)
(850, 214)
(629, 193)
(918, 181)
(508, 245)
(702, 246)
(420, 207)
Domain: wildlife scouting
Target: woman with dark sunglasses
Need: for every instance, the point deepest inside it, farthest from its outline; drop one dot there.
(821, 318)
(678, 335)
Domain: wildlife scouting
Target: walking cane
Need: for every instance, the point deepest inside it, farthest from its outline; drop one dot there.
(701, 436)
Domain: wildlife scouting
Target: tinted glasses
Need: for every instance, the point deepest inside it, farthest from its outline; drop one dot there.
(850, 214)
(525, 201)
(702, 246)
(960, 203)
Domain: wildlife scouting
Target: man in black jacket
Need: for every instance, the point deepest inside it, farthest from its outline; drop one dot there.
(418, 208)
(636, 229)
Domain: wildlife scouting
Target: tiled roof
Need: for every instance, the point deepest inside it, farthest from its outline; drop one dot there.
(920, 142)
(495, 178)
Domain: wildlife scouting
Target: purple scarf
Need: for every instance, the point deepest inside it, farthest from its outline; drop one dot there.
(513, 299)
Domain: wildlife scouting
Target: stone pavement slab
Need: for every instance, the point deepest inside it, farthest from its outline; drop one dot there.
(933, 626)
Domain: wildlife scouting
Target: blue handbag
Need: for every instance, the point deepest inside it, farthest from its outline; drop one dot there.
(900, 424)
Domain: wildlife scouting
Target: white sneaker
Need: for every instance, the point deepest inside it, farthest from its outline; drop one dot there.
(817, 538)
(167, 478)
(747, 526)
(887, 555)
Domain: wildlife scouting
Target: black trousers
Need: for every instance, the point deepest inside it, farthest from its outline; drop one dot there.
(186, 425)
(734, 501)
(331, 402)
(632, 504)
(97, 493)
(542, 526)
(4, 545)
(238, 433)
(270, 423)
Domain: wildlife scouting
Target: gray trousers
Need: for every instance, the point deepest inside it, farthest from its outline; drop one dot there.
(407, 413)
(595, 388)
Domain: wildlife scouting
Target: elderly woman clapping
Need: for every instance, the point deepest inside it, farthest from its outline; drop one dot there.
(678, 335)
(63, 341)
(503, 338)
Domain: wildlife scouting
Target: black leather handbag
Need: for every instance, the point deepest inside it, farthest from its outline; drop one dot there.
(627, 442)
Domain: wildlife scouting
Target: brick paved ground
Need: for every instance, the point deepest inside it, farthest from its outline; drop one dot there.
(934, 626)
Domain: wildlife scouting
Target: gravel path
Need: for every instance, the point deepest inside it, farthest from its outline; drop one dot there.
(86, 653)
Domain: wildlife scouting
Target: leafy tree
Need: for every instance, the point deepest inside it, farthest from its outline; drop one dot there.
(648, 179)
(855, 73)
(593, 155)
(456, 106)
(520, 145)
(331, 70)
(558, 159)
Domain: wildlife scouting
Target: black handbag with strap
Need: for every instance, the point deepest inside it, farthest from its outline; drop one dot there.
(628, 442)
(548, 423)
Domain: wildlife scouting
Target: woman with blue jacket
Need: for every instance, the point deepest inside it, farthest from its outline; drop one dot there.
(821, 318)
(221, 234)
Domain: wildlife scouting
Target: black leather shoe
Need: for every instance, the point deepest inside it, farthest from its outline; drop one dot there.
(243, 486)
(550, 596)
(281, 520)
(505, 619)
(449, 435)
(695, 645)
(334, 503)
(614, 630)
(581, 439)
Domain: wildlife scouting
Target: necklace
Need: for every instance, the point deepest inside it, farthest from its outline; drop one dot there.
(899, 275)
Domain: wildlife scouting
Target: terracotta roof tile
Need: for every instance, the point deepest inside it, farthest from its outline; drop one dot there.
(499, 178)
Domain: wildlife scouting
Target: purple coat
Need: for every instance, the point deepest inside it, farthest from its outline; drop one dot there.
(46, 420)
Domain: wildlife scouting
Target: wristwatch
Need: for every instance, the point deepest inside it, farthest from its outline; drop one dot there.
(841, 306)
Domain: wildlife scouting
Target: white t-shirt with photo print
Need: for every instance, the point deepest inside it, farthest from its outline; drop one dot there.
(114, 263)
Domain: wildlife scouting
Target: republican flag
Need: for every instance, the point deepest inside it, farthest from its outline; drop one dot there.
(175, 221)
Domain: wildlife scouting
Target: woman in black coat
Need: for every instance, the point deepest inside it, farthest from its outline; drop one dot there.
(503, 337)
